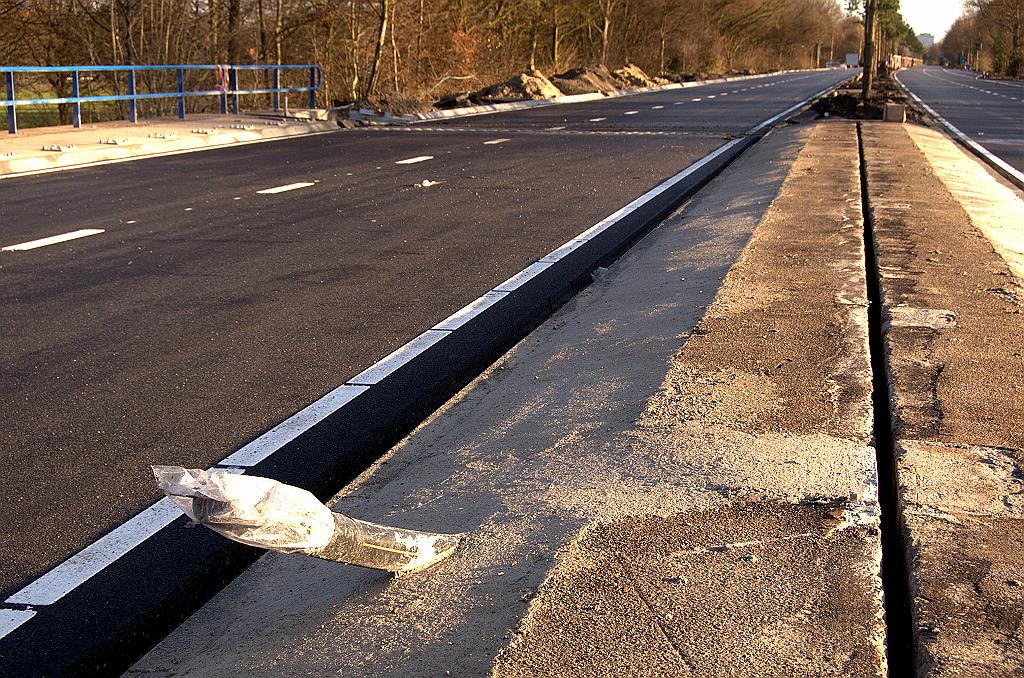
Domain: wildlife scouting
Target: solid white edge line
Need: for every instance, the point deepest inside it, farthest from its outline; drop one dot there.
(524, 276)
(560, 253)
(470, 311)
(74, 571)
(988, 155)
(52, 240)
(413, 161)
(391, 362)
(286, 187)
(80, 567)
(292, 427)
(10, 620)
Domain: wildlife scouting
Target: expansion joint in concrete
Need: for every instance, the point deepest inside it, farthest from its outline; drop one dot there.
(895, 571)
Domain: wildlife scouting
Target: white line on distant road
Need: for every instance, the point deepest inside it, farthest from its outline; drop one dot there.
(52, 240)
(1004, 166)
(554, 129)
(597, 119)
(631, 112)
(655, 108)
(286, 187)
(413, 161)
(495, 142)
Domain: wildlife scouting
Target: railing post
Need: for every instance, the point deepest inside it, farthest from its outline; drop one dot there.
(76, 108)
(223, 90)
(233, 83)
(181, 93)
(277, 87)
(312, 87)
(132, 107)
(12, 117)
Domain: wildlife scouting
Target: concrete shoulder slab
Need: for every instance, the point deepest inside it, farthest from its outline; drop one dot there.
(945, 233)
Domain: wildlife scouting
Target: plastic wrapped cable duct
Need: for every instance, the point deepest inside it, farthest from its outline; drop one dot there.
(267, 514)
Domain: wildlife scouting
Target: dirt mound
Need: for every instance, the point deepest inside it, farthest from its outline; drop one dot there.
(846, 102)
(529, 85)
(846, 105)
(683, 77)
(632, 75)
(586, 80)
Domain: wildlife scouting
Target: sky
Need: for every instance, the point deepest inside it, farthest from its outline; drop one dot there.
(931, 16)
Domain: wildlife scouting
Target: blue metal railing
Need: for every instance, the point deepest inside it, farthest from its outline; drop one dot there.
(226, 76)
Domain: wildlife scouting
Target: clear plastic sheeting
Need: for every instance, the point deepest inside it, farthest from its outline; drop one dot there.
(268, 514)
(248, 509)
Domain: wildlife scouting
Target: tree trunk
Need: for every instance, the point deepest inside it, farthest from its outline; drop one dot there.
(263, 32)
(606, 27)
(555, 38)
(394, 43)
(533, 47)
(278, 22)
(211, 8)
(234, 12)
(869, 48)
(382, 30)
(353, 23)
(419, 45)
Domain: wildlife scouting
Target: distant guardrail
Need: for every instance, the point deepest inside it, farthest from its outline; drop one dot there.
(225, 75)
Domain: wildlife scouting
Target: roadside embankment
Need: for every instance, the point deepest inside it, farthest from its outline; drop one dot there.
(658, 479)
(949, 239)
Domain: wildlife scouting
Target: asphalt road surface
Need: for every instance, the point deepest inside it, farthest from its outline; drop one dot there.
(208, 311)
(991, 112)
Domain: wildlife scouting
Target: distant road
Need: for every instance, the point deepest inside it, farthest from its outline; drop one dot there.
(206, 297)
(991, 112)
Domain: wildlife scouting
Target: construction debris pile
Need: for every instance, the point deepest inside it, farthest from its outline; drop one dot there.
(533, 85)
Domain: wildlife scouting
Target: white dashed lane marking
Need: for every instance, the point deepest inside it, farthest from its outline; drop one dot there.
(413, 161)
(286, 187)
(631, 112)
(495, 142)
(52, 240)
(656, 108)
(554, 129)
(597, 119)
